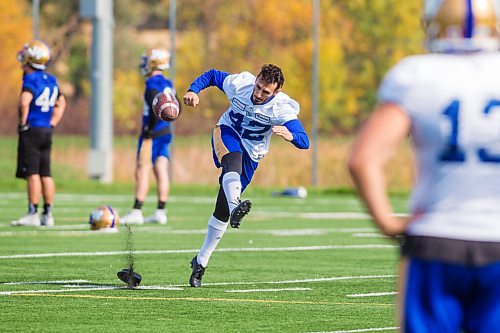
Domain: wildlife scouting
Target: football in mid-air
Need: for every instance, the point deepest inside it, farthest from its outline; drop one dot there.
(166, 106)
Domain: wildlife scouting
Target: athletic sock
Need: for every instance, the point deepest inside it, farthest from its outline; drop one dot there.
(47, 208)
(32, 208)
(231, 183)
(161, 204)
(215, 230)
(138, 204)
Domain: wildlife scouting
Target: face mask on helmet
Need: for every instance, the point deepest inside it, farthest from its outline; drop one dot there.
(462, 25)
(104, 218)
(154, 59)
(35, 54)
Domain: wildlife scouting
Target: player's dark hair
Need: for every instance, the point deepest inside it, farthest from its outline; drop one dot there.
(272, 74)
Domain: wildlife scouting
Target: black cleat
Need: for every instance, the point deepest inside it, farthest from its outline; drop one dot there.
(196, 274)
(239, 213)
(131, 278)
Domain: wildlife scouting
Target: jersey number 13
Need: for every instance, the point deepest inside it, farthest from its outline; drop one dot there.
(452, 151)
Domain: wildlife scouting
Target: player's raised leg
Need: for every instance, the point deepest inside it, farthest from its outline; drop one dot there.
(231, 183)
(229, 155)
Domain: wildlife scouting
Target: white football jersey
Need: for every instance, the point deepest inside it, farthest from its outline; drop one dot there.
(454, 105)
(253, 122)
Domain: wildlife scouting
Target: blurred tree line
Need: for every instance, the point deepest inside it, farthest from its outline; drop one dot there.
(358, 41)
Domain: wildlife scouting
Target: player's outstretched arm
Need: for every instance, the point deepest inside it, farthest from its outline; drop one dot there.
(294, 132)
(373, 148)
(210, 78)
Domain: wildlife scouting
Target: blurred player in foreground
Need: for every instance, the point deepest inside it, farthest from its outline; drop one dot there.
(154, 141)
(449, 104)
(258, 108)
(41, 107)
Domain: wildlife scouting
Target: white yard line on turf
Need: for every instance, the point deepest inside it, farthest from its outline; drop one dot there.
(89, 198)
(83, 288)
(363, 330)
(266, 290)
(373, 294)
(181, 286)
(242, 249)
(324, 279)
(99, 198)
(46, 282)
(45, 291)
(314, 215)
(368, 235)
(83, 229)
(318, 215)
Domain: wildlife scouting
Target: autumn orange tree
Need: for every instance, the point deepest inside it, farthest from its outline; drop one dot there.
(358, 41)
(372, 35)
(15, 30)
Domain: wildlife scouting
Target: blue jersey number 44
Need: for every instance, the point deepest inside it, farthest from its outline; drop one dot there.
(45, 100)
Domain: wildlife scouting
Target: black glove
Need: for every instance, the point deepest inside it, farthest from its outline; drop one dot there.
(23, 128)
(147, 133)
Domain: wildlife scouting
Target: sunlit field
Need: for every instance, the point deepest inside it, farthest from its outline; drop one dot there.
(296, 265)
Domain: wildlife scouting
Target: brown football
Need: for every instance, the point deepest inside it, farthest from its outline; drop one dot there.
(165, 106)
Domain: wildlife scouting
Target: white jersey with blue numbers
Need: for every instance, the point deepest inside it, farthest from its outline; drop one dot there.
(253, 122)
(454, 105)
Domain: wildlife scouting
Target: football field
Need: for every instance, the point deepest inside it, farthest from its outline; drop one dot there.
(295, 265)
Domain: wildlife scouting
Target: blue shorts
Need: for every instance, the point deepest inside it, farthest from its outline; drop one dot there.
(225, 140)
(160, 147)
(444, 297)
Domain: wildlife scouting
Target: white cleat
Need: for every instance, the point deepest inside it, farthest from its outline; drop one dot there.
(30, 220)
(133, 217)
(159, 216)
(48, 220)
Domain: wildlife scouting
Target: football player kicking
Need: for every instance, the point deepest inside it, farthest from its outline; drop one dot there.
(154, 141)
(258, 108)
(41, 107)
(449, 103)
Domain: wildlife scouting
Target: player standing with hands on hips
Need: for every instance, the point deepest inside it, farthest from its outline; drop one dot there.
(41, 107)
(154, 141)
(449, 104)
(258, 108)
